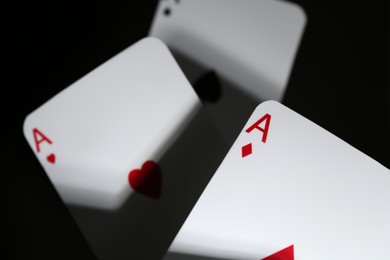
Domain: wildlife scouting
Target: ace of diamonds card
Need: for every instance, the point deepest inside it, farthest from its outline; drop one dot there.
(288, 189)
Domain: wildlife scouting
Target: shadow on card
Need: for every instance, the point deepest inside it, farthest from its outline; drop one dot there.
(148, 221)
(228, 104)
(145, 225)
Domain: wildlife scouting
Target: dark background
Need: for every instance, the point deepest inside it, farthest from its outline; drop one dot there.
(340, 80)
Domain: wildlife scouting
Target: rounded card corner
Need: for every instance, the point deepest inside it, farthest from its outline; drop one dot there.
(155, 41)
(25, 126)
(301, 12)
(267, 103)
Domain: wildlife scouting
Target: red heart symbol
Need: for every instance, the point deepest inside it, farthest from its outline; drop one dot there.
(51, 158)
(147, 180)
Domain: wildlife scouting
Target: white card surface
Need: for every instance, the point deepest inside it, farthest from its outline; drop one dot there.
(296, 186)
(111, 121)
(250, 43)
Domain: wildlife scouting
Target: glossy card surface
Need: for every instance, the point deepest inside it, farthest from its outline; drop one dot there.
(251, 43)
(288, 186)
(111, 121)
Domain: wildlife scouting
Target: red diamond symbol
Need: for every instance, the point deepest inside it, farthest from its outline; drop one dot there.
(246, 150)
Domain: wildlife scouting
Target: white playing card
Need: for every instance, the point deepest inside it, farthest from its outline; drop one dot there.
(288, 188)
(129, 151)
(90, 136)
(250, 43)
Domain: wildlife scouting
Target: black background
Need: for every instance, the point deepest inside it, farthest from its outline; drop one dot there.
(339, 81)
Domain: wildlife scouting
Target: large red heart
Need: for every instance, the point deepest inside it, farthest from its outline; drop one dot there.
(147, 180)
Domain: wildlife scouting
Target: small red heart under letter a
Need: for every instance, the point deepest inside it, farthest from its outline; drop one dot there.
(51, 158)
(147, 180)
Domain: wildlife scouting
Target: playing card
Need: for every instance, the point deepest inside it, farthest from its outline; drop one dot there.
(248, 46)
(128, 150)
(250, 43)
(289, 189)
(118, 118)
